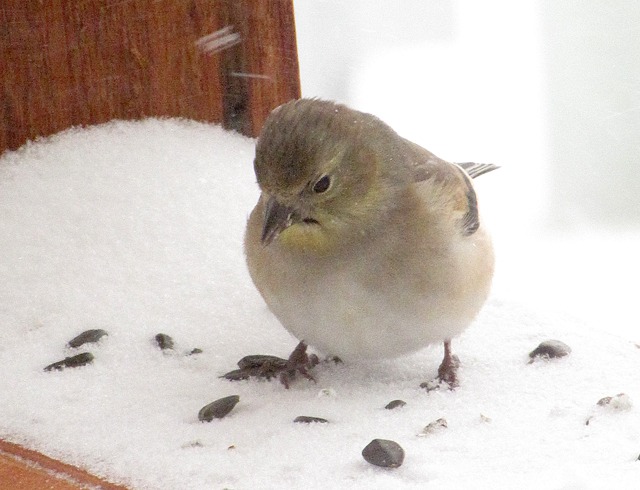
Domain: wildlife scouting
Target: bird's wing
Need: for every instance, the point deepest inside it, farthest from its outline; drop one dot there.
(454, 182)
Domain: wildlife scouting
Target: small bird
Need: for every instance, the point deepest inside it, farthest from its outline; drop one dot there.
(363, 244)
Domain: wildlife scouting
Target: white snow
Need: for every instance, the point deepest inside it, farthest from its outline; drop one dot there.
(136, 228)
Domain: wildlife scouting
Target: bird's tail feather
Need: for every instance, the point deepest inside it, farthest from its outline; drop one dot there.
(476, 169)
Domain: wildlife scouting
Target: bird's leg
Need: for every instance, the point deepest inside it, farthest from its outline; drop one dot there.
(447, 372)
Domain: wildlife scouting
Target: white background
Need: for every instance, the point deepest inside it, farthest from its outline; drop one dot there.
(548, 90)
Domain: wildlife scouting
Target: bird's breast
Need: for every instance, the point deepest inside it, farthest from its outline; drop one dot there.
(379, 301)
(352, 312)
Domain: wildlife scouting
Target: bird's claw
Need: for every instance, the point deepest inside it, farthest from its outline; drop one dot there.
(268, 367)
(447, 375)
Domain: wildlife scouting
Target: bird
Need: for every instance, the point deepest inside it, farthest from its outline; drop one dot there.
(363, 244)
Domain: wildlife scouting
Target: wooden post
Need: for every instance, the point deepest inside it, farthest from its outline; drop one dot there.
(78, 62)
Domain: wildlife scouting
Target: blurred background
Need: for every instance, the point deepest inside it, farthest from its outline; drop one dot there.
(550, 91)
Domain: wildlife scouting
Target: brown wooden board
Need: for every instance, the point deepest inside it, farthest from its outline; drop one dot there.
(24, 469)
(77, 62)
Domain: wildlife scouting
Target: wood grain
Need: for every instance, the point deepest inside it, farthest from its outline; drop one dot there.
(78, 62)
(24, 469)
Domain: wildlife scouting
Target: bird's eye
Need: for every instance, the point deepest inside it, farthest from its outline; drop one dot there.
(322, 184)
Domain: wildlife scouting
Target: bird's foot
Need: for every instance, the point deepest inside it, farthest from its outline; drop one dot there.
(261, 366)
(447, 376)
(299, 362)
(447, 372)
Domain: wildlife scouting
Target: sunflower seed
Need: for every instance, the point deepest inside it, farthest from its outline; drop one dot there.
(218, 409)
(384, 453)
(303, 419)
(74, 361)
(164, 341)
(395, 404)
(86, 337)
(550, 349)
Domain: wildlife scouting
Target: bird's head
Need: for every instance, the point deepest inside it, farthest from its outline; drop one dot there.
(326, 173)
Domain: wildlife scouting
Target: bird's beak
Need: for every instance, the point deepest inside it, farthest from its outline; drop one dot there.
(277, 217)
